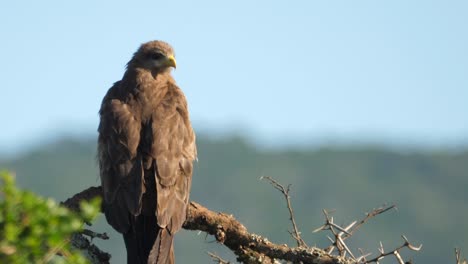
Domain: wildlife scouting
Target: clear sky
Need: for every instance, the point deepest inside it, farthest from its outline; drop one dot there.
(286, 71)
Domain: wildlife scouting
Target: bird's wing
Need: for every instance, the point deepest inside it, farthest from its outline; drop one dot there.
(173, 149)
(121, 167)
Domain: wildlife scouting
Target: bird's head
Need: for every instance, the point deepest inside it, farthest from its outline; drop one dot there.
(155, 56)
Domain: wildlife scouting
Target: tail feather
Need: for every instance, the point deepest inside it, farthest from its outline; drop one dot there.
(163, 248)
(140, 239)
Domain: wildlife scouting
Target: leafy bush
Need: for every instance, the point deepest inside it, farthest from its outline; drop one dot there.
(34, 229)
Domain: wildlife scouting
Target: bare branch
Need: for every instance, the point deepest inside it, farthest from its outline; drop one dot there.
(249, 247)
(340, 240)
(341, 247)
(370, 215)
(409, 245)
(363, 256)
(341, 233)
(218, 259)
(395, 252)
(285, 191)
(459, 257)
(92, 252)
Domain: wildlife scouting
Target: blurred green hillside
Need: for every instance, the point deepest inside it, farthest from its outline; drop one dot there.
(429, 188)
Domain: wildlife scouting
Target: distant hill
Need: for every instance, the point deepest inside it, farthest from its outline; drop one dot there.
(429, 188)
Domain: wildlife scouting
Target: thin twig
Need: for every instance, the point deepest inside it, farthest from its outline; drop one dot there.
(340, 239)
(341, 247)
(394, 252)
(459, 257)
(217, 258)
(342, 233)
(363, 256)
(370, 215)
(285, 191)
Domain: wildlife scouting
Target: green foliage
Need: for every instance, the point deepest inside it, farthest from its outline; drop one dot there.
(37, 230)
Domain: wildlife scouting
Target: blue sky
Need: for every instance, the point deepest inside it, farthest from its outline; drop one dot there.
(284, 71)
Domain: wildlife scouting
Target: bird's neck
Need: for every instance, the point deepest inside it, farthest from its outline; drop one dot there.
(142, 78)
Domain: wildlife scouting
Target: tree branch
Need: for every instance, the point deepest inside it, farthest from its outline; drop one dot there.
(285, 191)
(395, 252)
(248, 247)
(218, 259)
(79, 241)
(458, 257)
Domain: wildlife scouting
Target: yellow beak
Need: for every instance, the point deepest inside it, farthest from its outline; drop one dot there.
(171, 62)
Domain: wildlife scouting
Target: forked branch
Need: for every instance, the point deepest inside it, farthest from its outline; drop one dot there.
(395, 252)
(340, 234)
(285, 191)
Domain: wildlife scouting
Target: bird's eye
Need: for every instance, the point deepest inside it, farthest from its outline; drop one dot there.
(156, 56)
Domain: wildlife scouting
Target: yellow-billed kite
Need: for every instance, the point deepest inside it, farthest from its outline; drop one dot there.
(146, 147)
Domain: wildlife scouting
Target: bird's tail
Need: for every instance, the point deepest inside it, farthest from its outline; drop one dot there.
(163, 248)
(148, 244)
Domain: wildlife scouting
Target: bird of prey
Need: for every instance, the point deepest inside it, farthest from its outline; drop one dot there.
(146, 148)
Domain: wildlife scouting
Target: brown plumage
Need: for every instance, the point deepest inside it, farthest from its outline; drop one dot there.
(146, 147)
